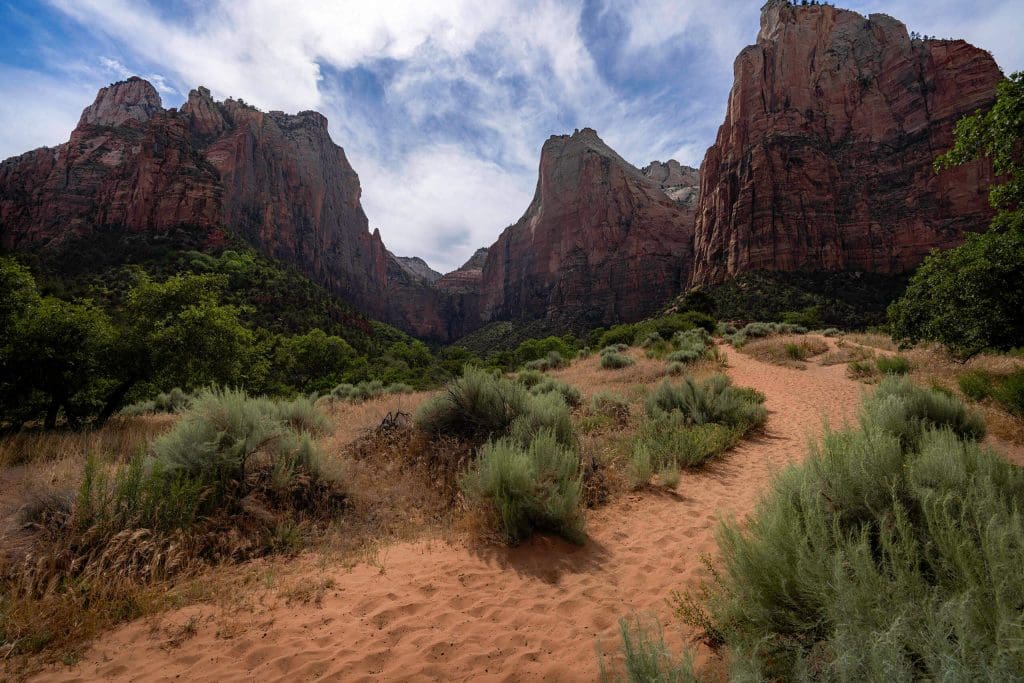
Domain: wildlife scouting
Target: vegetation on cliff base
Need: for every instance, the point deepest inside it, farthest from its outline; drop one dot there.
(969, 298)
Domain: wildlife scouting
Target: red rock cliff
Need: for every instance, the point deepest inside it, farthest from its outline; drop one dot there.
(276, 179)
(600, 243)
(824, 161)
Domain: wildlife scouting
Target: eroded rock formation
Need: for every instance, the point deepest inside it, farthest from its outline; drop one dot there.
(600, 242)
(824, 161)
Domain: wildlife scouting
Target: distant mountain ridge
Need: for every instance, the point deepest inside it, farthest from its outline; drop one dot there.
(823, 164)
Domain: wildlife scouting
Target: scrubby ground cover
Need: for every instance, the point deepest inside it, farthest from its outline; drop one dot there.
(889, 553)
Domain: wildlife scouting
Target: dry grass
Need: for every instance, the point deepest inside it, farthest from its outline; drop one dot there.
(121, 435)
(846, 354)
(786, 350)
(872, 339)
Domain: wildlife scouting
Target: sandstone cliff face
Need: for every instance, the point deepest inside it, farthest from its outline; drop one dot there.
(680, 183)
(824, 161)
(600, 243)
(275, 179)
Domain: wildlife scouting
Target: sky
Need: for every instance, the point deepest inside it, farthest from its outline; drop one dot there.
(442, 106)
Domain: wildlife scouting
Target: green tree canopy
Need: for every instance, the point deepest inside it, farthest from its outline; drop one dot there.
(970, 298)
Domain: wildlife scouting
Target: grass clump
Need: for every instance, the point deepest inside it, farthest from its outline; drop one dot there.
(615, 361)
(474, 406)
(891, 553)
(610, 405)
(715, 400)
(549, 385)
(787, 350)
(1006, 390)
(533, 487)
(646, 658)
(892, 365)
(552, 361)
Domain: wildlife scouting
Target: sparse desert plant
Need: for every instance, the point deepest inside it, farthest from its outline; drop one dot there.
(675, 368)
(713, 400)
(532, 487)
(892, 365)
(173, 401)
(831, 332)
(610, 405)
(667, 442)
(785, 350)
(477, 405)
(889, 553)
(615, 361)
(646, 658)
(530, 378)
(545, 412)
(976, 384)
(1009, 393)
(552, 361)
(570, 394)
(614, 348)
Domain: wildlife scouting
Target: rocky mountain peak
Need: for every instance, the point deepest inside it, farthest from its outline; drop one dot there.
(681, 183)
(134, 100)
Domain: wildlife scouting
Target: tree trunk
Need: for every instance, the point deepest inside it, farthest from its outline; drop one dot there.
(114, 401)
(51, 414)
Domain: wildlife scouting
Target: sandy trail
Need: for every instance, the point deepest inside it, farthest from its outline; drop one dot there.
(537, 612)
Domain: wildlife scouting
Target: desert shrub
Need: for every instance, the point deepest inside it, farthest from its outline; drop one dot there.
(713, 400)
(726, 329)
(398, 388)
(666, 443)
(570, 394)
(646, 658)
(477, 405)
(862, 369)
(542, 349)
(651, 339)
(976, 384)
(831, 332)
(615, 361)
(880, 557)
(546, 412)
(172, 401)
(1010, 392)
(480, 406)
(530, 378)
(529, 487)
(235, 443)
(614, 348)
(552, 361)
(675, 368)
(892, 365)
(785, 349)
(905, 410)
(610, 405)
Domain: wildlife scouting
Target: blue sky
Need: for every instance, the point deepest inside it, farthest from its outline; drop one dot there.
(441, 106)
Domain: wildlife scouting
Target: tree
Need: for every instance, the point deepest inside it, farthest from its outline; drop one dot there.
(315, 361)
(178, 333)
(970, 298)
(55, 356)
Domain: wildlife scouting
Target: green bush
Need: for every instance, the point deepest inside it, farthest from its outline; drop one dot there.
(905, 410)
(543, 413)
(553, 361)
(534, 487)
(615, 361)
(1010, 393)
(620, 334)
(809, 317)
(713, 400)
(891, 553)
(570, 394)
(477, 405)
(675, 368)
(614, 348)
(976, 384)
(892, 365)
(234, 443)
(666, 443)
(831, 332)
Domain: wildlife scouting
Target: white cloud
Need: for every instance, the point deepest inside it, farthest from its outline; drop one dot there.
(441, 204)
(448, 153)
(36, 110)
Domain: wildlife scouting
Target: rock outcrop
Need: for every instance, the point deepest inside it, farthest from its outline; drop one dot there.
(600, 243)
(680, 183)
(275, 179)
(417, 267)
(824, 161)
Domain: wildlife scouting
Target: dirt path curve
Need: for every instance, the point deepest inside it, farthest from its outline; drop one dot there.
(537, 612)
